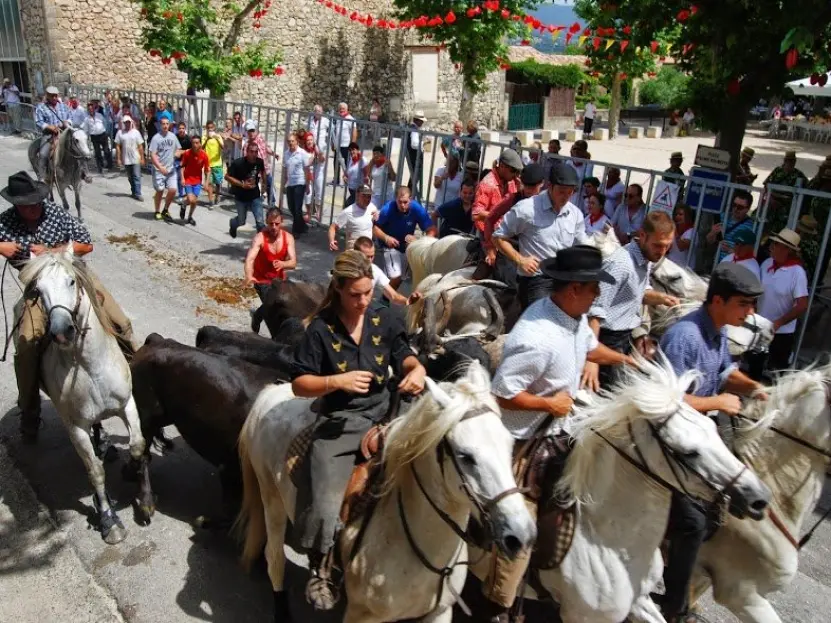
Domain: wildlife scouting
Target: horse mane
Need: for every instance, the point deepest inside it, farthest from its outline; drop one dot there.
(415, 312)
(650, 393)
(605, 241)
(669, 316)
(421, 430)
(697, 284)
(79, 271)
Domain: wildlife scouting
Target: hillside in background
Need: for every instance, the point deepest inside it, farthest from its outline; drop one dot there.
(559, 15)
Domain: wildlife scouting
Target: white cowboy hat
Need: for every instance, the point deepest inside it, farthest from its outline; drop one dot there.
(787, 237)
(419, 116)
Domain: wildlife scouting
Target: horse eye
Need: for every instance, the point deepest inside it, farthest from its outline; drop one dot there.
(467, 459)
(690, 456)
(71, 282)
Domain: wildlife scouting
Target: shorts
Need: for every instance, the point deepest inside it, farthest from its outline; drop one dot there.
(395, 263)
(217, 175)
(160, 182)
(193, 189)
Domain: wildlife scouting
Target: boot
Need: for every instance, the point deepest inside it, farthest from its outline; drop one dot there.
(27, 371)
(322, 593)
(29, 426)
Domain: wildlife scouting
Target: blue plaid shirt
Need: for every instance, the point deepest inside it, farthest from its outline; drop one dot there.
(694, 344)
(46, 115)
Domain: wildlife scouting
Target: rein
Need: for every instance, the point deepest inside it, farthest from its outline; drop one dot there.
(787, 435)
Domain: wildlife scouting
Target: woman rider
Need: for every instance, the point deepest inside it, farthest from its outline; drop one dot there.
(344, 359)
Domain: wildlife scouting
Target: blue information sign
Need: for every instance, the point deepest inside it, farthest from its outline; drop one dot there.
(714, 196)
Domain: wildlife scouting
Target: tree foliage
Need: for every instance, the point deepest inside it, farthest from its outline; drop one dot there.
(477, 44)
(669, 89)
(544, 75)
(208, 40)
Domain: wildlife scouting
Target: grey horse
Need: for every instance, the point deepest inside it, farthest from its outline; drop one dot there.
(67, 164)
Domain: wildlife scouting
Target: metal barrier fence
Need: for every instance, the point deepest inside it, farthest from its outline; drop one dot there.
(329, 194)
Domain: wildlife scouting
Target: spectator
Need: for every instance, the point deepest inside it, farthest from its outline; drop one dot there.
(494, 187)
(246, 176)
(628, 218)
(454, 142)
(455, 214)
(163, 149)
(355, 174)
(613, 191)
(271, 254)
(591, 186)
(318, 127)
(687, 122)
(580, 149)
(448, 179)
(675, 161)
(780, 201)
(314, 197)
(596, 220)
(742, 173)
(151, 126)
(744, 252)
(415, 153)
(77, 112)
(809, 244)
(684, 219)
(195, 163)
(472, 174)
(588, 117)
(554, 146)
(376, 114)
(96, 128)
(395, 228)
(162, 112)
(266, 154)
(296, 175)
(184, 145)
(739, 219)
(129, 152)
(228, 143)
(214, 147)
(345, 132)
(237, 135)
(380, 282)
(472, 144)
(355, 220)
(381, 176)
(783, 302)
(10, 95)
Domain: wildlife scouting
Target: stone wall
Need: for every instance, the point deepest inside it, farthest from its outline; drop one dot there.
(33, 20)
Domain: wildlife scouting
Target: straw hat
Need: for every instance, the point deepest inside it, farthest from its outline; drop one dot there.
(790, 155)
(787, 237)
(419, 116)
(807, 225)
(749, 152)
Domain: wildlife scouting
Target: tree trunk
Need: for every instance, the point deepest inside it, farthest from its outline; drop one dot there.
(466, 106)
(614, 106)
(216, 107)
(732, 124)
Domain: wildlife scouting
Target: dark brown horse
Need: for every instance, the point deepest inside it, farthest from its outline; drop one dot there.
(284, 300)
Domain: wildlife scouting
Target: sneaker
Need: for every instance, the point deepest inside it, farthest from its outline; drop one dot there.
(232, 228)
(158, 216)
(137, 197)
(182, 213)
(166, 216)
(190, 221)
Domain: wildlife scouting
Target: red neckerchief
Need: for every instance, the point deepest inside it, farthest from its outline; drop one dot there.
(356, 158)
(594, 219)
(743, 257)
(382, 163)
(791, 261)
(343, 114)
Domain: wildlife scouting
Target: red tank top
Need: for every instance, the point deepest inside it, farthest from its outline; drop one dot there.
(264, 270)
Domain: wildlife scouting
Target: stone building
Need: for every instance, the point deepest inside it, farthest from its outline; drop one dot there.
(327, 59)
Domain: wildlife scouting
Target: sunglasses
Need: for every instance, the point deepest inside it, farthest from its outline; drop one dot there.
(740, 206)
(631, 196)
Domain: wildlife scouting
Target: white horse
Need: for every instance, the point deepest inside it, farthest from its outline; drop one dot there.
(632, 448)
(429, 255)
(789, 449)
(450, 452)
(83, 370)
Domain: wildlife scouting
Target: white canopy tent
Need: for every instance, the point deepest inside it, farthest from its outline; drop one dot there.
(804, 87)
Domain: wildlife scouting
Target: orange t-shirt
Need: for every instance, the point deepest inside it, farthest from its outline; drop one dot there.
(193, 164)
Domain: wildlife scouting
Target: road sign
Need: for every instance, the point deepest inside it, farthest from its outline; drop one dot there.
(664, 197)
(714, 196)
(712, 158)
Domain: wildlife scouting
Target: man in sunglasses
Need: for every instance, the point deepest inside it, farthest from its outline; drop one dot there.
(739, 220)
(629, 215)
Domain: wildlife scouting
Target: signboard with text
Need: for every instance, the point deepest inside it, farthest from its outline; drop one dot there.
(712, 158)
(714, 196)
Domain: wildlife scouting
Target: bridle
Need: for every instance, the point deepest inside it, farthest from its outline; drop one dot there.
(754, 328)
(73, 313)
(484, 507)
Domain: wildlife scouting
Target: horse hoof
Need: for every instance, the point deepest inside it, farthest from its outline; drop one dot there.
(114, 535)
(144, 514)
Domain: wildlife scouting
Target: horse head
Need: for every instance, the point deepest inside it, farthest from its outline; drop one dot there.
(55, 280)
(754, 335)
(670, 278)
(606, 241)
(79, 147)
(454, 445)
(647, 422)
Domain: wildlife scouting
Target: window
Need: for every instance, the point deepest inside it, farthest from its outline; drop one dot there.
(425, 74)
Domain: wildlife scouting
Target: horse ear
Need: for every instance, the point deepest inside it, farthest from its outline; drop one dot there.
(438, 394)
(69, 251)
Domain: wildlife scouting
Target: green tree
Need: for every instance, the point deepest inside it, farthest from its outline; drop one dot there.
(618, 64)
(203, 38)
(669, 89)
(736, 51)
(475, 35)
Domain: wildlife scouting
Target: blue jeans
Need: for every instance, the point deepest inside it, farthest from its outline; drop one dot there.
(256, 207)
(133, 172)
(269, 186)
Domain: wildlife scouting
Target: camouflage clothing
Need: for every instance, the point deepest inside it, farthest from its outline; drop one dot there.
(780, 202)
(809, 252)
(742, 174)
(672, 180)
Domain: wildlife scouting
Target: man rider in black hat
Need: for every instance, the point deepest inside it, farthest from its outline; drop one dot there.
(33, 226)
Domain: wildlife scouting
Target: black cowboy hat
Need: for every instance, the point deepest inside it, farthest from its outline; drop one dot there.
(23, 190)
(578, 263)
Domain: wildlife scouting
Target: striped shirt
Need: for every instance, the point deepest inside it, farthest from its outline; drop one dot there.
(619, 305)
(544, 353)
(541, 231)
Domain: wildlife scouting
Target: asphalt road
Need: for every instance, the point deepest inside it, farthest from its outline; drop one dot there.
(54, 567)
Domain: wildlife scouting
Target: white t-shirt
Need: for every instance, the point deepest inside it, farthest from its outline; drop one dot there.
(598, 225)
(451, 188)
(344, 128)
(382, 188)
(782, 288)
(613, 198)
(355, 173)
(295, 163)
(750, 264)
(677, 255)
(11, 94)
(589, 111)
(356, 222)
(130, 143)
(379, 279)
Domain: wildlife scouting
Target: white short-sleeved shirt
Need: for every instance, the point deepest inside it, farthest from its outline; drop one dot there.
(750, 264)
(356, 222)
(295, 163)
(598, 226)
(130, 143)
(379, 279)
(627, 225)
(544, 353)
(451, 188)
(781, 288)
(344, 127)
(382, 188)
(613, 198)
(355, 173)
(677, 255)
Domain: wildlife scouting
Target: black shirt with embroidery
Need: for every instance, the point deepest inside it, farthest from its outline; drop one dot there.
(56, 227)
(328, 349)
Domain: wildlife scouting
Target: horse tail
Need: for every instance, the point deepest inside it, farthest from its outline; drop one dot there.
(249, 526)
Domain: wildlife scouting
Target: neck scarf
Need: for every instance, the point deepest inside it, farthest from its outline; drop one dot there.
(593, 219)
(791, 261)
(737, 257)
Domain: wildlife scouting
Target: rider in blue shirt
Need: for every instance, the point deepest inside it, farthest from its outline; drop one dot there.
(698, 342)
(395, 228)
(51, 116)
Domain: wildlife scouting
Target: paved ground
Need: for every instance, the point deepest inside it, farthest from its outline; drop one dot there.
(53, 567)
